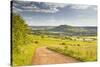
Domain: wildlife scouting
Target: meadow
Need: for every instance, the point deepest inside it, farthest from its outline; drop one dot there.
(25, 43)
(82, 48)
(79, 49)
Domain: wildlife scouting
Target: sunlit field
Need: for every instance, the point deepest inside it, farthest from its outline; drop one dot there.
(82, 48)
(52, 33)
(25, 43)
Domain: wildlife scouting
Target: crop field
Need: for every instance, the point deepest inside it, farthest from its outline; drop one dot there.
(83, 48)
(31, 43)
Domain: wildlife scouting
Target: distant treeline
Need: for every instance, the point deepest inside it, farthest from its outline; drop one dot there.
(64, 30)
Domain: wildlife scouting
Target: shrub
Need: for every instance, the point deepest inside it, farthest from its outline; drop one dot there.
(36, 42)
(21, 48)
(63, 43)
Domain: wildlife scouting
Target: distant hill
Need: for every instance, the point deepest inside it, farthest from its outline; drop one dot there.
(75, 30)
(68, 30)
(41, 27)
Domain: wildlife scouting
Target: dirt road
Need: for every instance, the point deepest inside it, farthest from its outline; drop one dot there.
(45, 56)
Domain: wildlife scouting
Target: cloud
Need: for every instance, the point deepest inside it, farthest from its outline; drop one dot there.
(84, 7)
(45, 7)
(56, 5)
(94, 8)
(79, 7)
(36, 6)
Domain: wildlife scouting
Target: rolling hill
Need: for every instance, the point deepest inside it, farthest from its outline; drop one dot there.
(68, 30)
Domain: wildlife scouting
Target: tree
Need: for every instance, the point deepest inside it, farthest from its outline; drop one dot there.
(19, 32)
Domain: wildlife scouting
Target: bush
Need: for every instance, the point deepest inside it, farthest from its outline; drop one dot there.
(63, 43)
(21, 48)
(36, 42)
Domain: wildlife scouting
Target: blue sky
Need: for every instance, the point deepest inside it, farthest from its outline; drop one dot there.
(54, 14)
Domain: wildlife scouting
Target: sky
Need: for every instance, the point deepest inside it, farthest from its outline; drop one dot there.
(54, 14)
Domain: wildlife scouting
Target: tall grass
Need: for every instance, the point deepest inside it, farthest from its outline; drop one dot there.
(82, 53)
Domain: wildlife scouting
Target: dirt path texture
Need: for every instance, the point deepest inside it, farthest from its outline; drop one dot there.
(46, 56)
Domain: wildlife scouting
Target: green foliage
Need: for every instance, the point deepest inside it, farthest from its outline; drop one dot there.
(63, 43)
(19, 31)
(24, 44)
(22, 49)
(80, 54)
(36, 42)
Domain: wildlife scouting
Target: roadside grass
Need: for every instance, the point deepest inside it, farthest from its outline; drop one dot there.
(83, 51)
(25, 54)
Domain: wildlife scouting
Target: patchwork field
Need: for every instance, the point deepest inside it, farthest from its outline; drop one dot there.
(82, 48)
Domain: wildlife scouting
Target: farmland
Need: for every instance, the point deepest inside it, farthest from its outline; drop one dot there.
(53, 33)
(83, 50)
(77, 42)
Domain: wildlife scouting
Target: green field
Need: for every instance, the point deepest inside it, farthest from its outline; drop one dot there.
(80, 49)
(24, 44)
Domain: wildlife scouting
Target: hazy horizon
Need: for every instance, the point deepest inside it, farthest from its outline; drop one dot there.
(62, 24)
(55, 14)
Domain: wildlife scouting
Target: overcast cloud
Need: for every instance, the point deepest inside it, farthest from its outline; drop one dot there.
(43, 13)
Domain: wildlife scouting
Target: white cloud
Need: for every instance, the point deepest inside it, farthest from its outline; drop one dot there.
(83, 7)
(46, 7)
(56, 5)
(51, 7)
(80, 6)
(16, 10)
(95, 8)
